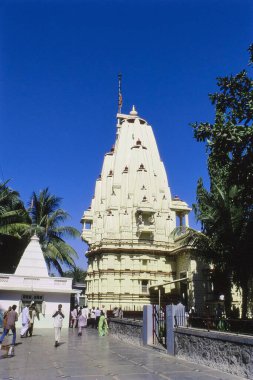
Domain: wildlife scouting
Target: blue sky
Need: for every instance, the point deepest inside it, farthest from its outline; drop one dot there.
(59, 62)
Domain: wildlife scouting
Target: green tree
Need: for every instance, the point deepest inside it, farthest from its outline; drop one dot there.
(226, 211)
(229, 140)
(14, 222)
(13, 216)
(226, 240)
(78, 274)
(47, 220)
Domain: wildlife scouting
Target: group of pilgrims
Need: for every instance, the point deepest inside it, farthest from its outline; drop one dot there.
(28, 315)
(81, 317)
(10, 318)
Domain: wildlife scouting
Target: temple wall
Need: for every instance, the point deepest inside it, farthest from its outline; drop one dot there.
(51, 301)
(226, 352)
(126, 330)
(121, 277)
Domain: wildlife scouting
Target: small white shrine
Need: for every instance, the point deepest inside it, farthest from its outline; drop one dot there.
(31, 283)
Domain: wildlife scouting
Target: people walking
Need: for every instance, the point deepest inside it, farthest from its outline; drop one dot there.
(93, 317)
(25, 322)
(5, 317)
(12, 318)
(58, 318)
(97, 313)
(86, 311)
(82, 321)
(102, 325)
(104, 310)
(74, 317)
(32, 315)
(120, 313)
(115, 312)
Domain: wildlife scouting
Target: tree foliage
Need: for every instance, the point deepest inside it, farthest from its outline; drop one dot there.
(47, 222)
(229, 140)
(78, 274)
(226, 211)
(13, 216)
(43, 217)
(14, 222)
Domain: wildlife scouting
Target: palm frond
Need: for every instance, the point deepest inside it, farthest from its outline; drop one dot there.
(66, 231)
(48, 219)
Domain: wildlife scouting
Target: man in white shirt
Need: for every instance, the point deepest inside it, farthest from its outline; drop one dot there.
(86, 311)
(25, 322)
(58, 318)
(32, 315)
(74, 317)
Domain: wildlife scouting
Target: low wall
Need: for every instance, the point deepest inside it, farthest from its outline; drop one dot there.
(126, 330)
(226, 352)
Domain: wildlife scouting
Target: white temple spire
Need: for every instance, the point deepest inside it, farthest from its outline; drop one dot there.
(32, 262)
(127, 226)
(134, 112)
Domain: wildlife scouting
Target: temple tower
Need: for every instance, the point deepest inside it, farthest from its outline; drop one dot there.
(128, 227)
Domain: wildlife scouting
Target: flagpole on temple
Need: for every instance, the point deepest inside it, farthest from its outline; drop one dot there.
(120, 100)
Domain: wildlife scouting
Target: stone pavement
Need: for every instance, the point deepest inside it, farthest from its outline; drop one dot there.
(91, 357)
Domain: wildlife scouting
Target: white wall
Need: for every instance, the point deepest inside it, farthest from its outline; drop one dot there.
(52, 300)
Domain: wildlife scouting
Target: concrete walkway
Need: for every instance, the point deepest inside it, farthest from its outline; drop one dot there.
(90, 357)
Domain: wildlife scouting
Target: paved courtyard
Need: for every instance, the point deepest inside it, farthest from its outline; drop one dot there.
(90, 357)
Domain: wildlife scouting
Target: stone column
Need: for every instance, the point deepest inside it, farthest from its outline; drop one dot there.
(147, 329)
(170, 312)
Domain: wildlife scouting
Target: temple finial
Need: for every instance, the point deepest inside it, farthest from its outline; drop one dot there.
(134, 112)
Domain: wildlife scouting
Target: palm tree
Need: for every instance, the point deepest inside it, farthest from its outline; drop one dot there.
(13, 216)
(47, 222)
(226, 240)
(228, 224)
(78, 274)
(14, 222)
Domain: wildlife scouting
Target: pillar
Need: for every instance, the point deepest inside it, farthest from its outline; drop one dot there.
(147, 328)
(170, 312)
(186, 219)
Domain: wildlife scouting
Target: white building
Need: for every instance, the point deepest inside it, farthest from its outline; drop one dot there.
(128, 227)
(31, 282)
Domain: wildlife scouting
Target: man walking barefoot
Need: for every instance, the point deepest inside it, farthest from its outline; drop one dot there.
(58, 318)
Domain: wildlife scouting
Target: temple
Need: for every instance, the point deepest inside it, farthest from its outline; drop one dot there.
(31, 283)
(133, 256)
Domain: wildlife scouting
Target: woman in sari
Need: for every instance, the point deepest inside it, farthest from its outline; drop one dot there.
(102, 325)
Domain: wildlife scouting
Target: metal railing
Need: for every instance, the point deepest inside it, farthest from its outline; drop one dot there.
(236, 326)
(159, 325)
